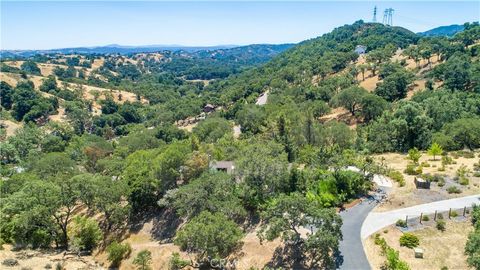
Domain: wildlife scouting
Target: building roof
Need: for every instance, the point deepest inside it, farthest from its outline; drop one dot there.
(223, 164)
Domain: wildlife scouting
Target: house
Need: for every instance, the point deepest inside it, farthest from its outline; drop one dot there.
(360, 49)
(209, 108)
(223, 166)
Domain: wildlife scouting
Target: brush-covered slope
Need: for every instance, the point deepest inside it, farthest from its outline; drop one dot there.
(318, 57)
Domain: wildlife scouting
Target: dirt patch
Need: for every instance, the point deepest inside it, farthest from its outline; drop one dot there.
(409, 195)
(342, 115)
(34, 259)
(10, 127)
(440, 248)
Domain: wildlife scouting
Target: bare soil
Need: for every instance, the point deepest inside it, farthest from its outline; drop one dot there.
(409, 195)
(440, 248)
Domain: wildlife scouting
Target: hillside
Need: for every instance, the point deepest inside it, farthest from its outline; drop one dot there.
(443, 31)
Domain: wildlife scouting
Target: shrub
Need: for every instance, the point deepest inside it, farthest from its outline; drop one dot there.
(409, 240)
(425, 164)
(444, 268)
(48, 266)
(117, 252)
(411, 169)
(143, 259)
(463, 181)
(439, 216)
(401, 223)
(425, 218)
(466, 154)
(441, 225)
(446, 160)
(453, 214)
(453, 189)
(176, 262)
(85, 233)
(397, 177)
(441, 182)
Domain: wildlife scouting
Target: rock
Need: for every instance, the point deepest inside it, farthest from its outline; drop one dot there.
(10, 262)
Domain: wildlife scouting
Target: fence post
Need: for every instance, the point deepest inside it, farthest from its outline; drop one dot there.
(406, 220)
(421, 216)
(464, 210)
(449, 213)
(435, 217)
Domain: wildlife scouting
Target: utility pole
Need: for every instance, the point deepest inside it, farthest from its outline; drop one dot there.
(375, 14)
(388, 16)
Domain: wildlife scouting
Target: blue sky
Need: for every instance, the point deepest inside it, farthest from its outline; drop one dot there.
(59, 24)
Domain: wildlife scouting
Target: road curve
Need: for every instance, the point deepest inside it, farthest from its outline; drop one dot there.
(378, 220)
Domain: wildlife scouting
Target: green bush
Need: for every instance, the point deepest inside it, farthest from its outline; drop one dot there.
(117, 252)
(143, 259)
(401, 223)
(441, 225)
(425, 164)
(453, 214)
(425, 218)
(176, 262)
(411, 169)
(409, 240)
(397, 177)
(439, 216)
(85, 233)
(453, 189)
(463, 181)
(446, 160)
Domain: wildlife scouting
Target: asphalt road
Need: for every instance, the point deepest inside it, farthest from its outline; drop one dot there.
(352, 256)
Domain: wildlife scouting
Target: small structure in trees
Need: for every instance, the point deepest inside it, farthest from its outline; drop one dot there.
(223, 166)
(422, 183)
(209, 108)
(360, 49)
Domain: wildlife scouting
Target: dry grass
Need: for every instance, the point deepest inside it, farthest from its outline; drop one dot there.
(10, 127)
(34, 259)
(408, 195)
(440, 248)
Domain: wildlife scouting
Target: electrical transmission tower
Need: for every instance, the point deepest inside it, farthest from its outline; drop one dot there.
(375, 14)
(388, 16)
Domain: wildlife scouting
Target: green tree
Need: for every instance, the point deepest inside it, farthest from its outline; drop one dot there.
(263, 168)
(212, 129)
(209, 236)
(286, 214)
(435, 150)
(6, 95)
(372, 107)
(49, 84)
(214, 192)
(143, 260)
(30, 67)
(350, 98)
(118, 252)
(414, 155)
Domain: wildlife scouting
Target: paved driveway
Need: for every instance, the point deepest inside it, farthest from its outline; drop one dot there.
(352, 255)
(378, 220)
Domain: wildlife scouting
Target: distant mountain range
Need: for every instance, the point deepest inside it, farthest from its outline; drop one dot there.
(112, 49)
(443, 31)
(447, 31)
